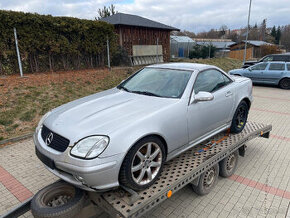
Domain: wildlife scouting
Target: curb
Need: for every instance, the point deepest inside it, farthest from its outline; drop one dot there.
(16, 139)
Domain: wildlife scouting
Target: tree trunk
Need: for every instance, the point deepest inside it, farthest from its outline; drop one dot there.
(79, 62)
(91, 57)
(36, 63)
(50, 62)
(31, 63)
(63, 62)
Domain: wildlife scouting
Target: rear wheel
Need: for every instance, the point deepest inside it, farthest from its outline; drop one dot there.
(229, 164)
(284, 83)
(143, 164)
(207, 181)
(240, 117)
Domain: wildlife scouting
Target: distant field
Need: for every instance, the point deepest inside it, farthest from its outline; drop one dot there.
(24, 101)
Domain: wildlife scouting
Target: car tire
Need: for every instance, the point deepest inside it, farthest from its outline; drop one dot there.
(207, 181)
(240, 118)
(284, 83)
(59, 199)
(140, 161)
(229, 164)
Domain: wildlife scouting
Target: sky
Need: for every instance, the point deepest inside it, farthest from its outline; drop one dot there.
(191, 15)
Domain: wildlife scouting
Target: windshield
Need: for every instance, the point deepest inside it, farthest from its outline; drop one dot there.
(157, 82)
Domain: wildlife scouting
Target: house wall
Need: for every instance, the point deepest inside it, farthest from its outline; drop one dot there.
(131, 35)
(239, 54)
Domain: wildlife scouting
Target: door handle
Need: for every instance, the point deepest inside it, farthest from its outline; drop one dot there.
(228, 94)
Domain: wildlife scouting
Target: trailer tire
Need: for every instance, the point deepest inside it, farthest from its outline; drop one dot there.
(59, 199)
(207, 181)
(229, 164)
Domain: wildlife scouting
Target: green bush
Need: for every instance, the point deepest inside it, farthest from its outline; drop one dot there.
(202, 51)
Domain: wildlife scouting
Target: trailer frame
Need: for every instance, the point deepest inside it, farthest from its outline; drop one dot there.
(177, 173)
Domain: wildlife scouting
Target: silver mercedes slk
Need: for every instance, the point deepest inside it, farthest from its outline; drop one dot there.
(124, 135)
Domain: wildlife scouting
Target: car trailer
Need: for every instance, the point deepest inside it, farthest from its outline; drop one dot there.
(199, 166)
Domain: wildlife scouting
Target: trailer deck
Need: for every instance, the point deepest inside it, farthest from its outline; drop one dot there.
(179, 172)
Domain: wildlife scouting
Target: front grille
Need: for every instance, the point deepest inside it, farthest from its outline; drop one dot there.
(58, 142)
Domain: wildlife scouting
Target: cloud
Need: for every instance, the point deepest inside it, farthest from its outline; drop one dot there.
(193, 15)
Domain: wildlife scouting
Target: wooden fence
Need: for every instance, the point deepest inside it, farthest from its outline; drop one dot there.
(239, 54)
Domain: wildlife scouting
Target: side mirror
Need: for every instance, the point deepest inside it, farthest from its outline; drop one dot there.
(202, 96)
(250, 69)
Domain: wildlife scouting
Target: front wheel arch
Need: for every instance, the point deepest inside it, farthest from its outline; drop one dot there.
(247, 100)
(161, 138)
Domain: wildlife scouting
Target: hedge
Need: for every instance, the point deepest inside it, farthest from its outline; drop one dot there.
(53, 43)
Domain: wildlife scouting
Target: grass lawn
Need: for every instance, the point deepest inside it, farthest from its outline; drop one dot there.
(24, 100)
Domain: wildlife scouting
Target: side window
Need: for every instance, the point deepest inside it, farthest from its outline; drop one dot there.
(261, 66)
(210, 81)
(280, 58)
(288, 67)
(277, 66)
(268, 58)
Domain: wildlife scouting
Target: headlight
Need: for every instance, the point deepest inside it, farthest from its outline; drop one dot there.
(42, 120)
(90, 147)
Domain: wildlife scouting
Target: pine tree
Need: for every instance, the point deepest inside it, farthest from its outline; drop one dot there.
(273, 32)
(278, 35)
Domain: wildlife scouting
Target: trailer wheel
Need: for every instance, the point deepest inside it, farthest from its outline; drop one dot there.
(59, 199)
(207, 181)
(229, 164)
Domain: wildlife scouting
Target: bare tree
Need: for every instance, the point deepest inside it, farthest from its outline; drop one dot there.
(106, 12)
(263, 28)
(285, 37)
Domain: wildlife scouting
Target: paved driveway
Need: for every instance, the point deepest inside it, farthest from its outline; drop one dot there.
(259, 188)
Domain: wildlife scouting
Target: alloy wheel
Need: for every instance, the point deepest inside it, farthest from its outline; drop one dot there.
(146, 163)
(241, 117)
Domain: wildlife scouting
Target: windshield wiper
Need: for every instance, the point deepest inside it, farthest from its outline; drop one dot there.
(146, 93)
(124, 88)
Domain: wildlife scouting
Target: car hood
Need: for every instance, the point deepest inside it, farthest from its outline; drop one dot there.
(251, 62)
(103, 113)
(236, 71)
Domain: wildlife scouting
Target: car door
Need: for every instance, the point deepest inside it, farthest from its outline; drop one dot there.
(255, 72)
(274, 73)
(206, 116)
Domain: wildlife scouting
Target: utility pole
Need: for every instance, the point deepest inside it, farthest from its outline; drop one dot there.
(18, 54)
(249, 14)
(188, 49)
(108, 53)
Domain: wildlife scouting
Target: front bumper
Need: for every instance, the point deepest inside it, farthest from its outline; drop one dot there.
(98, 174)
